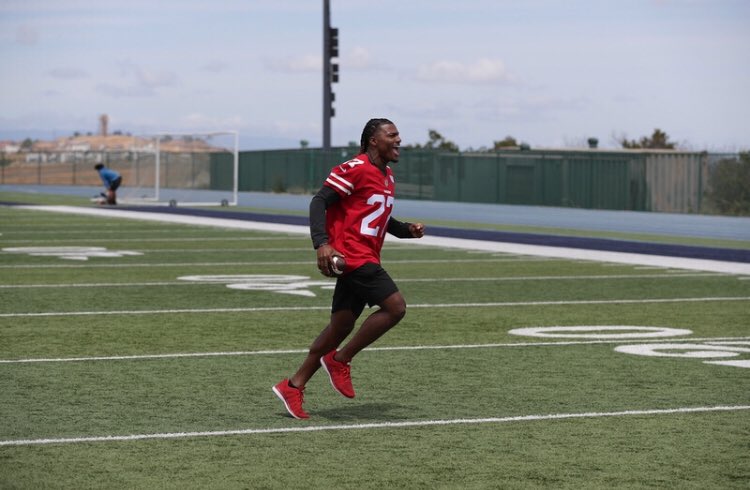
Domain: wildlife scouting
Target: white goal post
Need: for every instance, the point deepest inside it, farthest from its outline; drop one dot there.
(178, 168)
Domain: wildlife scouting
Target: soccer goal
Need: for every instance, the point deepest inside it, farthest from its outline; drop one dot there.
(183, 169)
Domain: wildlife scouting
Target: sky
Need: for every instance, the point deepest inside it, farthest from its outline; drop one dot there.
(550, 73)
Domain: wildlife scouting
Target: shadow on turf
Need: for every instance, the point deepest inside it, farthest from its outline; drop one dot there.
(366, 411)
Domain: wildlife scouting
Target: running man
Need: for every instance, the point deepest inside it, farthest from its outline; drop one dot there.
(349, 217)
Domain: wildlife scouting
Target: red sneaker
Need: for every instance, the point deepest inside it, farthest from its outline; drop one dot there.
(339, 373)
(292, 398)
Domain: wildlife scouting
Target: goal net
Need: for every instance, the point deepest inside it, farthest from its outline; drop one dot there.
(180, 169)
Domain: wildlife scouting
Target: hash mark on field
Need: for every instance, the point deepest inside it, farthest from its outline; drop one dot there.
(721, 340)
(375, 425)
(326, 308)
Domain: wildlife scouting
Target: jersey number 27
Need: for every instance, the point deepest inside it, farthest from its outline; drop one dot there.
(383, 203)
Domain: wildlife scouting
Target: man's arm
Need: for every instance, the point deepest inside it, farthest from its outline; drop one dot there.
(320, 202)
(401, 229)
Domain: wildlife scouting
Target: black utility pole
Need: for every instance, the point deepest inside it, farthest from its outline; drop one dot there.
(330, 72)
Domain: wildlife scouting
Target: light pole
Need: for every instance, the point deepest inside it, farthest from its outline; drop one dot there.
(330, 71)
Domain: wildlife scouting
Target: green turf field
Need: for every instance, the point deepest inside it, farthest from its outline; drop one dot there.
(147, 362)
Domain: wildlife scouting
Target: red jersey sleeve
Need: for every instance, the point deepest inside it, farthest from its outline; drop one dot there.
(343, 177)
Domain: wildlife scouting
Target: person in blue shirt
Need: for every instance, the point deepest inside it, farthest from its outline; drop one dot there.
(111, 181)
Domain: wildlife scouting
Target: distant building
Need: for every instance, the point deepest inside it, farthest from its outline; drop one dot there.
(9, 147)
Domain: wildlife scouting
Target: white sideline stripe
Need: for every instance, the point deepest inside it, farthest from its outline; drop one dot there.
(569, 253)
(739, 268)
(317, 308)
(174, 218)
(437, 279)
(369, 349)
(375, 425)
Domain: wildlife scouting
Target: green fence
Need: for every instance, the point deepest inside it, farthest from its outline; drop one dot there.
(664, 181)
(295, 171)
(621, 180)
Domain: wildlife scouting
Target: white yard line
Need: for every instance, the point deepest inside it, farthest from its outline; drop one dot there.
(376, 425)
(460, 243)
(308, 262)
(179, 355)
(159, 240)
(159, 264)
(439, 279)
(425, 305)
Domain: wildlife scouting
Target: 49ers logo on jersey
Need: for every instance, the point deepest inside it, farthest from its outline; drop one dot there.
(351, 164)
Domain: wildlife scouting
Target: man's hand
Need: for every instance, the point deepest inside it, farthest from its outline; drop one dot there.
(417, 230)
(325, 253)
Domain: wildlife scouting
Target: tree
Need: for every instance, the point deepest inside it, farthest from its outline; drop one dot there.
(437, 142)
(508, 142)
(729, 185)
(659, 140)
(27, 144)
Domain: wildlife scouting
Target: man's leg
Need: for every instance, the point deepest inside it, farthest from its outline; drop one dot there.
(291, 390)
(340, 326)
(391, 311)
(337, 364)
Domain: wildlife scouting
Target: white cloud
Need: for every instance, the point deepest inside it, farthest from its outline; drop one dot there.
(359, 58)
(138, 81)
(430, 110)
(484, 70)
(119, 90)
(303, 64)
(527, 107)
(154, 78)
(199, 121)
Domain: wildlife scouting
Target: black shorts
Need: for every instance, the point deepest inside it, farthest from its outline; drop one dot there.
(115, 184)
(369, 284)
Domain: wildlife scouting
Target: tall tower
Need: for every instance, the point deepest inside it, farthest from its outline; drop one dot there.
(103, 125)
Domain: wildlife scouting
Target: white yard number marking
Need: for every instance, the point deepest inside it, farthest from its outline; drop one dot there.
(693, 351)
(275, 283)
(71, 253)
(707, 350)
(601, 332)
(383, 203)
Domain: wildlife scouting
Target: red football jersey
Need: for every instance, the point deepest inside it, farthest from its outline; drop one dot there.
(357, 223)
